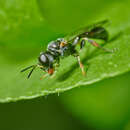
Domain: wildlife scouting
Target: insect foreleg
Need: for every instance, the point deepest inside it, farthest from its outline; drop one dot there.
(44, 76)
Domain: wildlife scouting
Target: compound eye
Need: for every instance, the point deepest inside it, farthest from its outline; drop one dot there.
(43, 58)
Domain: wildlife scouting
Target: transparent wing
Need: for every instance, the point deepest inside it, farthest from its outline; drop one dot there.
(96, 30)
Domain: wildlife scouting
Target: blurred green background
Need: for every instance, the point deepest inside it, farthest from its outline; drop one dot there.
(24, 25)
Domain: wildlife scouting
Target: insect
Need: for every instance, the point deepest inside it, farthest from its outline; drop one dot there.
(63, 47)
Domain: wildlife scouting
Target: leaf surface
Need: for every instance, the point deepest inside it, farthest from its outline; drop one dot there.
(21, 41)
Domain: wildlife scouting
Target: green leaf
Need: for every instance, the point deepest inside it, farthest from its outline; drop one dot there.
(21, 44)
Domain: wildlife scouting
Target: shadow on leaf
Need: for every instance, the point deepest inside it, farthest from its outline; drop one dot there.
(85, 60)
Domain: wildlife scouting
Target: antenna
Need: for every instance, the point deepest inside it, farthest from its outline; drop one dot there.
(33, 68)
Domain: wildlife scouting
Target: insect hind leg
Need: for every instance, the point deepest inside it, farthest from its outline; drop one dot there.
(95, 44)
(77, 41)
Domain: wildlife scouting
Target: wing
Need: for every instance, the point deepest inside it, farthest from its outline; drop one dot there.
(96, 30)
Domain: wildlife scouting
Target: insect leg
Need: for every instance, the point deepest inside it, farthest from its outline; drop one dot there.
(44, 76)
(57, 62)
(99, 46)
(76, 41)
(81, 65)
(82, 44)
(49, 73)
(94, 43)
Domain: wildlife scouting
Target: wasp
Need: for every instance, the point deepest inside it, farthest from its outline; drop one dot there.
(63, 47)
